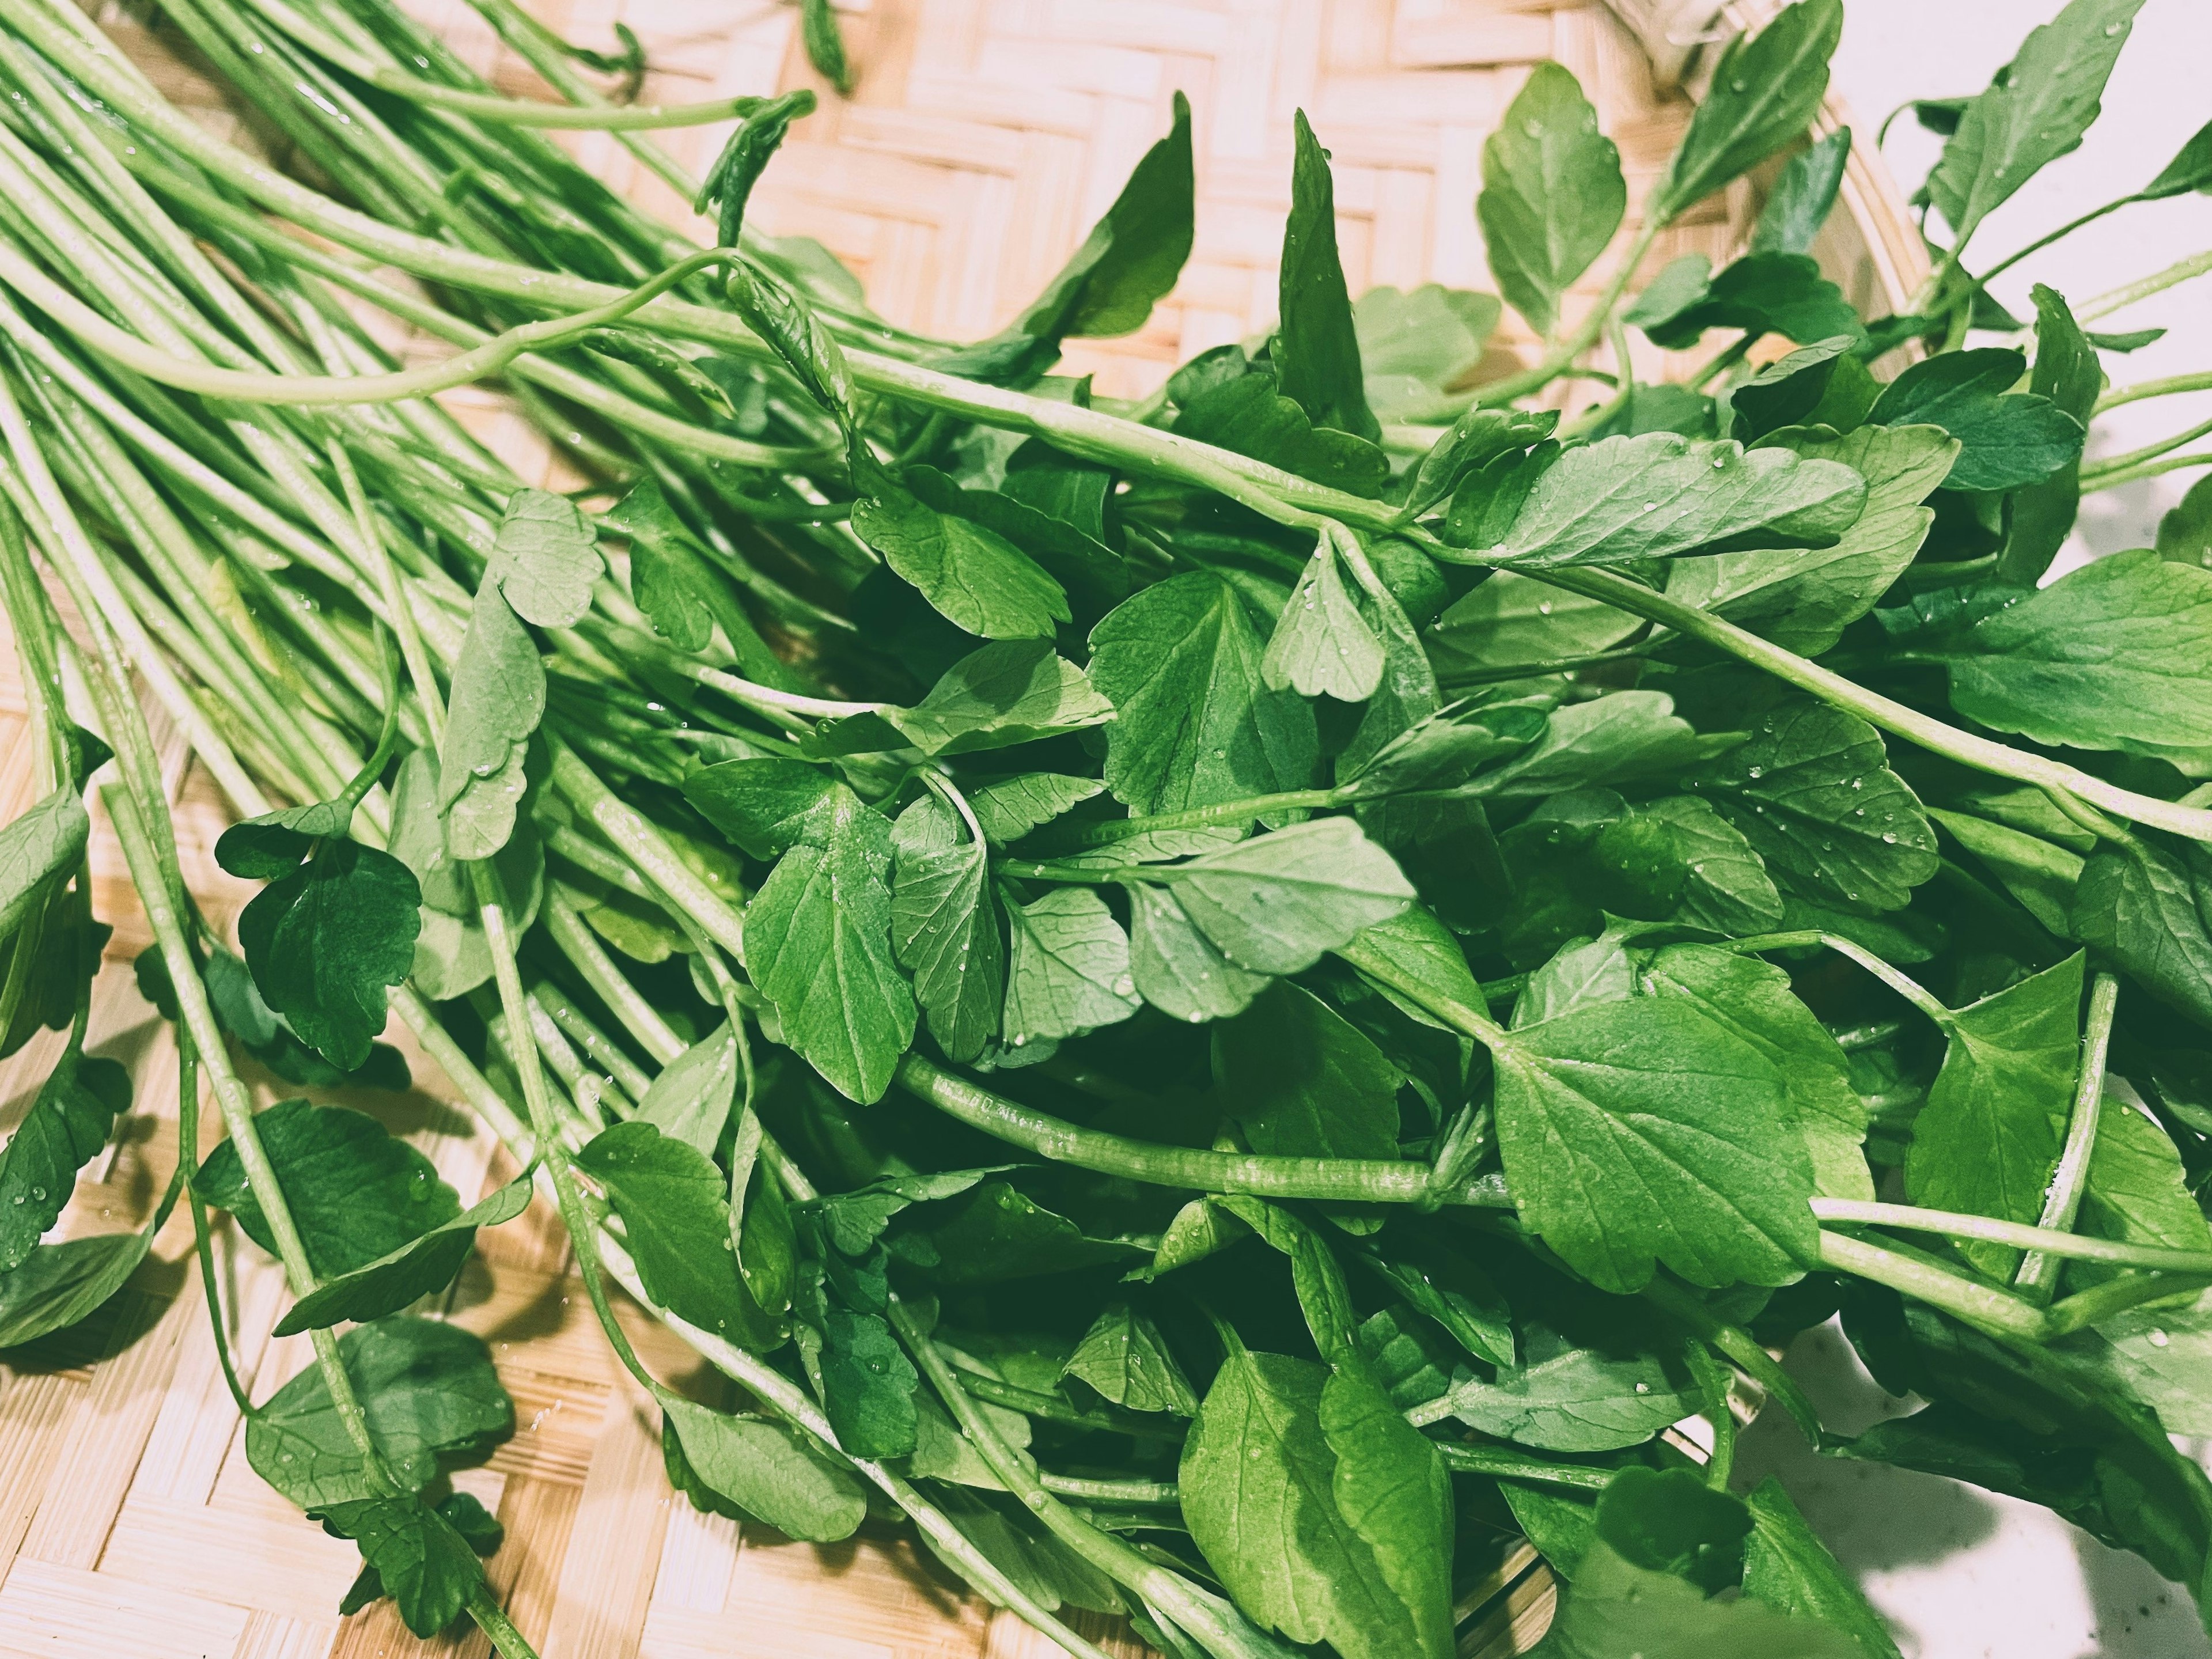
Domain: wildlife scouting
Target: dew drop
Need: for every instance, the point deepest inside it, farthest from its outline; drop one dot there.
(1889, 837)
(1758, 771)
(2159, 1339)
(1644, 1387)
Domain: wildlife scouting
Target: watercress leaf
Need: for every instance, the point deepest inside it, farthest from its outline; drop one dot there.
(2184, 532)
(690, 1100)
(57, 1285)
(854, 1220)
(765, 806)
(1780, 294)
(263, 848)
(1764, 90)
(1812, 791)
(1803, 193)
(324, 942)
(1647, 1131)
(1753, 999)
(1108, 286)
(2116, 655)
(976, 578)
(2005, 438)
(1787, 1567)
(1176, 968)
(1609, 739)
(414, 1270)
(1577, 1399)
(1614, 1607)
(498, 700)
(1442, 751)
(1391, 1487)
(2141, 905)
(356, 1192)
(1418, 346)
(452, 956)
(1249, 414)
(1093, 575)
(675, 1205)
(1070, 971)
(1317, 352)
(1803, 600)
(1677, 860)
(2034, 112)
(67, 1124)
(1321, 646)
(1508, 620)
(867, 1385)
(1661, 494)
(2161, 1353)
(1124, 1357)
(37, 848)
(2190, 170)
(767, 1470)
(2039, 516)
(2138, 1192)
(1417, 947)
(1988, 1137)
(1010, 808)
(1792, 388)
(671, 586)
(1274, 903)
(1406, 693)
(1476, 440)
(790, 328)
(1301, 1081)
(817, 944)
(1014, 691)
(409, 1553)
(1258, 1480)
(425, 1388)
(1553, 194)
(993, 1232)
(1195, 724)
(2040, 876)
(544, 558)
(945, 931)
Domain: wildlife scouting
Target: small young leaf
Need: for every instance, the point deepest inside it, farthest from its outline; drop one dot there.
(766, 1471)
(326, 941)
(544, 558)
(1124, 1357)
(1010, 808)
(1763, 92)
(1798, 205)
(1247, 413)
(498, 700)
(1780, 294)
(1318, 353)
(690, 1100)
(1321, 645)
(39, 845)
(1553, 194)
(1417, 348)
(975, 577)
(2005, 438)
(66, 1126)
(1070, 971)
(945, 931)
(825, 44)
(2040, 516)
(412, 1552)
(415, 1270)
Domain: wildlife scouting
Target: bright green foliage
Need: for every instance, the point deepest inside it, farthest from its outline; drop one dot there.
(1553, 194)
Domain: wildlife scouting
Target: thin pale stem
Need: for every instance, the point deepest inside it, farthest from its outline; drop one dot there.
(1997, 1312)
(2181, 270)
(2074, 1247)
(1502, 1465)
(2172, 385)
(2038, 1278)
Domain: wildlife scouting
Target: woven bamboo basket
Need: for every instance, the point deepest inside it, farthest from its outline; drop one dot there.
(983, 138)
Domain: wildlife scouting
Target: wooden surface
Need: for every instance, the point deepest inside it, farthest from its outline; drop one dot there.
(984, 137)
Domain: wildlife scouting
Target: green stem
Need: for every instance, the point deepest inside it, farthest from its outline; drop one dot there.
(2146, 470)
(1502, 1465)
(1910, 989)
(2181, 270)
(2046, 241)
(576, 941)
(2092, 477)
(1190, 1169)
(188, 1164)
(1995, 1312)
(1895, 718)
(491, 1619)
(2074, 1247)
(2038, 1278)
(1110, 1492)
(1741, 1350)
(1055, 1409)
(2100, 1302)
(1238, 812)
(631, 833)
(2172, 385)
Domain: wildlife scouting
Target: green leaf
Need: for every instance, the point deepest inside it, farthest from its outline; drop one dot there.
(498, 699)
(1677, 860)
(1077, 556)
(1477, 439)
(1787, 1567)
(2039, 516)
(2116, 654)
(56, 1286)
(1176, 968)
(2034, 112)
(767, 1470)
(1194, 724)
(1391, 1487)
(1012, 807)
(2137, 1193)
(1803, 193)
(1110, 285)
(1301, 1081)
(945, 931)
(415, 1270)
(867, 1385)
(66, 1126)
(1763, 92)
(427, 1388)
(1418, 346)
(690, 1100)
(2141, 905)
(790, 328)
(669, 580)
(1015, 691)
(2184, 533)
(1070, 970)
(1318, 353)
(1259, 1480)
(1609, 739)
(1812, 793)
(1571, 1399)
(1553, 194)
(817, 944)
(1508, 620)
(414, 1553)
(1124, 1357)
(1647, 1131)
(675, 1205)
(1247, 415)
(993, 1232)
(764, 806)
(325, 941)
(1321, 646)
(264, 847)
(37, 848)
(2005, 438)
(1661, 494)
(820, 33)
(1753, 999)
(2162, 1354)
(357, 1193)
(1988, 1138)
(1804, 600)
(2190, 170)
(544, 558)
(1810, 385)
(976, 578)
(1780, 294)
(2040, 876)
(452, 956)
(1273, 904)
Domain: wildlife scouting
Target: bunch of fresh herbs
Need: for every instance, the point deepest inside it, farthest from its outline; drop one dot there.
(1222, 1005)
